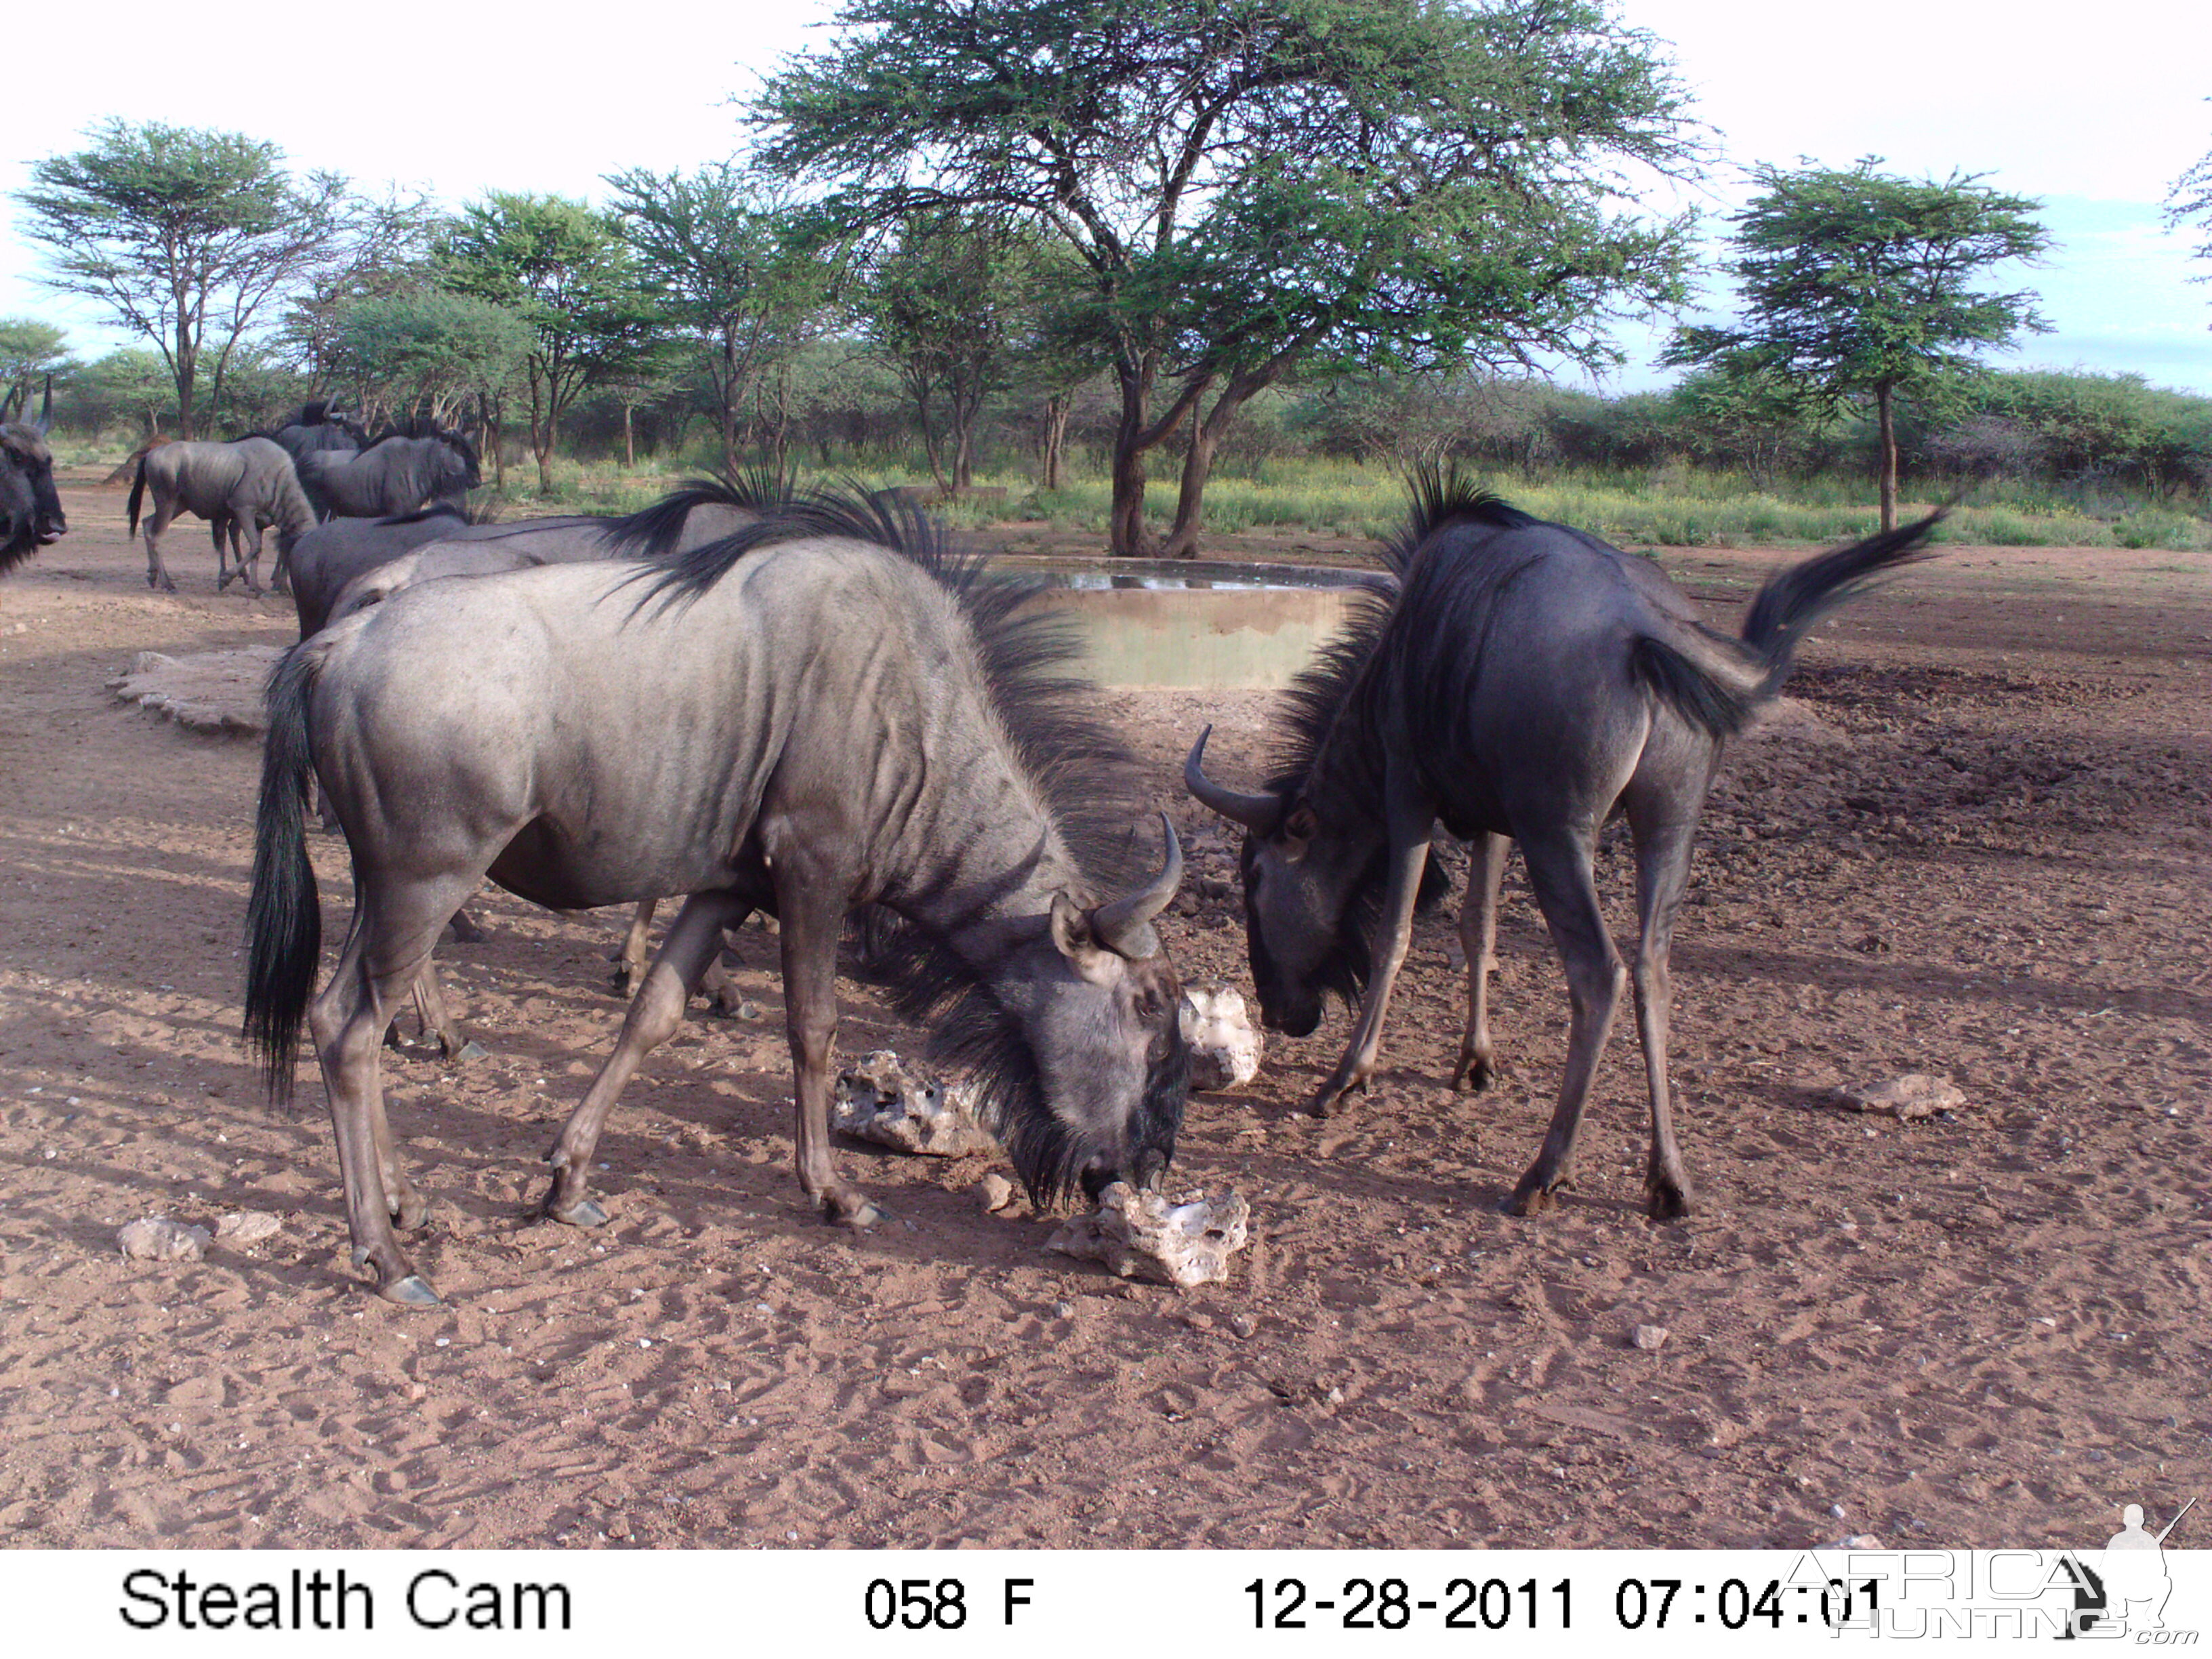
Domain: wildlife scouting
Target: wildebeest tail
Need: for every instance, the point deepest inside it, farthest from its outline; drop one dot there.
(283, 917)
(1789, 607)
(137, 490)
(1718, 682)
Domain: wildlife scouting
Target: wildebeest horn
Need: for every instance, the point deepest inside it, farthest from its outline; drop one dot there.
(46, 409)
(7, 409)
(1125, 925)
(1254, 811)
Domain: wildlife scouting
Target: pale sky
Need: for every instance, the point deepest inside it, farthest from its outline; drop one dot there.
(2095, 110)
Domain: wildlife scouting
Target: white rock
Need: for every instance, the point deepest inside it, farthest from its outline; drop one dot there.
(243, 1227)
(1225, 1045)
(157, 1238)
(1649, 1338)
(1185, 1239)
(1915, 1094)
(994, 1192)
(880, 1100)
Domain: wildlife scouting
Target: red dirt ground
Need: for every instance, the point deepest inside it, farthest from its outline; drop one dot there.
(1973, 843)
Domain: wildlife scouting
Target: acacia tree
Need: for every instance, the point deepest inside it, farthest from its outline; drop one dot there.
(2190, 198)
(28, 350)
(565, 270)
(1858, 285)
(1409, 183)
(428, 351)
(953, 302)
(184, 234)
(739, 267)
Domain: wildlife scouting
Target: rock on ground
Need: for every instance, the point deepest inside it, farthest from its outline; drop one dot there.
(1225, 1045)
(157, 1238)
(208, 691)
(880, 1100)
(1915, 1094)
(1183, 1240)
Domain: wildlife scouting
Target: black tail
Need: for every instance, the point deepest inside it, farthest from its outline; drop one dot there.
(1789, 607)
(137, 490)
(283, 918)
(1718, 684)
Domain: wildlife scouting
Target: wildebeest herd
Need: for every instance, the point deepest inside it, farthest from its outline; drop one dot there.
(809, 704)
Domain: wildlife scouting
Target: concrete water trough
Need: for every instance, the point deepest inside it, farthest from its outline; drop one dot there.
(1184, 622)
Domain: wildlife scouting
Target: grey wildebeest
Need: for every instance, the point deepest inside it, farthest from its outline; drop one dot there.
(396, 474)
(824, 711)
(243, 486)
(31, 515)
(1527, 682)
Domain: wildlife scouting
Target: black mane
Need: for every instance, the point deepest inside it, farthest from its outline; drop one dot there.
(1088, 778)
(653, 532)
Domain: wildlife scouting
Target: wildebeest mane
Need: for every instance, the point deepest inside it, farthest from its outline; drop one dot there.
(424, 515)
(653, 532)
(1087, 777)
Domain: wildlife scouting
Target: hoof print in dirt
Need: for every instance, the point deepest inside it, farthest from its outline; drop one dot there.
(1225, 1045)
(1181, 1240)
(879, 1100)
(157, 1238)
(1915, 1094)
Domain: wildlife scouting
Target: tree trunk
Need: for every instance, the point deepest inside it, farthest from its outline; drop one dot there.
(496, 439)
(629, 441)
(1056, 409)
(1205, 438)
(1885, 417)
(727, 413)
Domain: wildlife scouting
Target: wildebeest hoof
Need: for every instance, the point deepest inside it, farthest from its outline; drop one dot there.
(853, 1210)
(471, 1051)
(1474, 1074)
(580, 1212)
(464, 929)
(1666, 1202)
(412, 1291)
(411, 1213)
(1532, 1199)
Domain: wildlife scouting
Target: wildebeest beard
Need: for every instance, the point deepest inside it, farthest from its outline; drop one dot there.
(971, 1030)
(1342, 971)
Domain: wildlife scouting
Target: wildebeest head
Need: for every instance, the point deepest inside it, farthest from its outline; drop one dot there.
(1310, 881)
(1076, 1044)
(30, 514)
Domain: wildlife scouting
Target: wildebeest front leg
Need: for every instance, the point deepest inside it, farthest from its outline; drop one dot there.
(1410, 818)
(656, 1013)
(810, 926)
(630, 959)
(1478, 938)
(1566, 891)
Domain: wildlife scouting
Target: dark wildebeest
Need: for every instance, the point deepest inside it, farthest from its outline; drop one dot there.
(822, 711)
(318, 429)
(30, 514)
(395, 474)
(1528, 681)
(244, 485)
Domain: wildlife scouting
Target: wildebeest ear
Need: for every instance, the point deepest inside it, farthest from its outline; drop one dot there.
(1072, 938)
(1298, 828)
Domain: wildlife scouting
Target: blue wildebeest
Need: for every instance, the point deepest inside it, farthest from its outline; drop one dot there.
(822, 711)
(319, 428)
(1527, 682)
(241, 486)
(31, 515)
(349, 564)
(397, 473)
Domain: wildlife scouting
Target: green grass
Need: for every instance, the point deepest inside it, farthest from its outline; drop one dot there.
(1673, 506)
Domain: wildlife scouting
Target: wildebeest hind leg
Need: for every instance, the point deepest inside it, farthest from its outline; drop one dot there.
(157, 574)
(348, 1019)
(1663, 861)
(1411, 820)
(1559, 871)
(630, 959)
(1478, 938)
(656, 1013)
